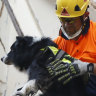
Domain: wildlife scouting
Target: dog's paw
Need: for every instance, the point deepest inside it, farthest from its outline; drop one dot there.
(23, 91)
(29, 88)
(19, 92)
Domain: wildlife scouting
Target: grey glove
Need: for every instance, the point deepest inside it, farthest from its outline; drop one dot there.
(65, 71)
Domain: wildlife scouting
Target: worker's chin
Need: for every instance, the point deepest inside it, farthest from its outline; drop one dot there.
(70, 32)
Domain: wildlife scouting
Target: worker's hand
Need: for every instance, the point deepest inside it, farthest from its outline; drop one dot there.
(67, 68)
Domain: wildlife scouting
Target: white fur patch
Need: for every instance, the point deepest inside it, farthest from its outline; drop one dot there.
(28, 87)
(4, 58)
(35, 39)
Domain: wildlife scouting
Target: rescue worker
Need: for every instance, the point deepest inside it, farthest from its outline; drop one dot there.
(77, 37)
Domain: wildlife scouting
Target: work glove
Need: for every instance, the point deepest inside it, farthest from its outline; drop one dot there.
(68, 68)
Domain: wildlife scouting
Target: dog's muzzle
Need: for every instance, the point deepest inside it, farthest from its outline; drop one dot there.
(6, 60)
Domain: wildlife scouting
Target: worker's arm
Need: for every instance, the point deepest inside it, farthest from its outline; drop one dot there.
(66, 69)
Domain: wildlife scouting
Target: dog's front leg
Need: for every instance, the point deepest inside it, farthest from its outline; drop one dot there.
(28, 87)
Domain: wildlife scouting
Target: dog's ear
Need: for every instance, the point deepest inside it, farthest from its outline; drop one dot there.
(19, 38)
(20, 41)
(24, 40)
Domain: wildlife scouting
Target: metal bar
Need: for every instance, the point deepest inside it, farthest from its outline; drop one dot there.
(13, 18)
(2, 7)
(36, 21)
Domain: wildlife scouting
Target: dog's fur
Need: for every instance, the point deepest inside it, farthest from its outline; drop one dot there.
(26, 55)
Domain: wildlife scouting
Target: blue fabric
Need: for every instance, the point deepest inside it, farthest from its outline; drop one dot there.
(91, 86)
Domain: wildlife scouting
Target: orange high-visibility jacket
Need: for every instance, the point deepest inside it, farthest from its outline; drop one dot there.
(84, 48)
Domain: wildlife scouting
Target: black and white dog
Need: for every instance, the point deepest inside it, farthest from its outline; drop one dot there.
(26, 55)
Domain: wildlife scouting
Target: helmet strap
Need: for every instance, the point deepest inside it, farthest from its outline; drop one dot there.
(85, 25)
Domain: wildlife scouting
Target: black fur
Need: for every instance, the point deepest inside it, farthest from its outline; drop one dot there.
(26, 55)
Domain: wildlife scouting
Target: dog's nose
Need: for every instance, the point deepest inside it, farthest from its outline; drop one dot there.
(2, 59)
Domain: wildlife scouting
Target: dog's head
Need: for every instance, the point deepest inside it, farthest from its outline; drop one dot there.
(24, 49)
(21, 52)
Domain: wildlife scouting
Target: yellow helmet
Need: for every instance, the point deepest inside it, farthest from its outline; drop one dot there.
(71, 8)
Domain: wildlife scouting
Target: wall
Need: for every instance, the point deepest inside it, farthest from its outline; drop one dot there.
(32, 17)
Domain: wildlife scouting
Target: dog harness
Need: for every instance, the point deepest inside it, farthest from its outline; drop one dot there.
(58, 54)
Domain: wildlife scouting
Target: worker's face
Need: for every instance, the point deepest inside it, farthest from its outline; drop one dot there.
(71, 25)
